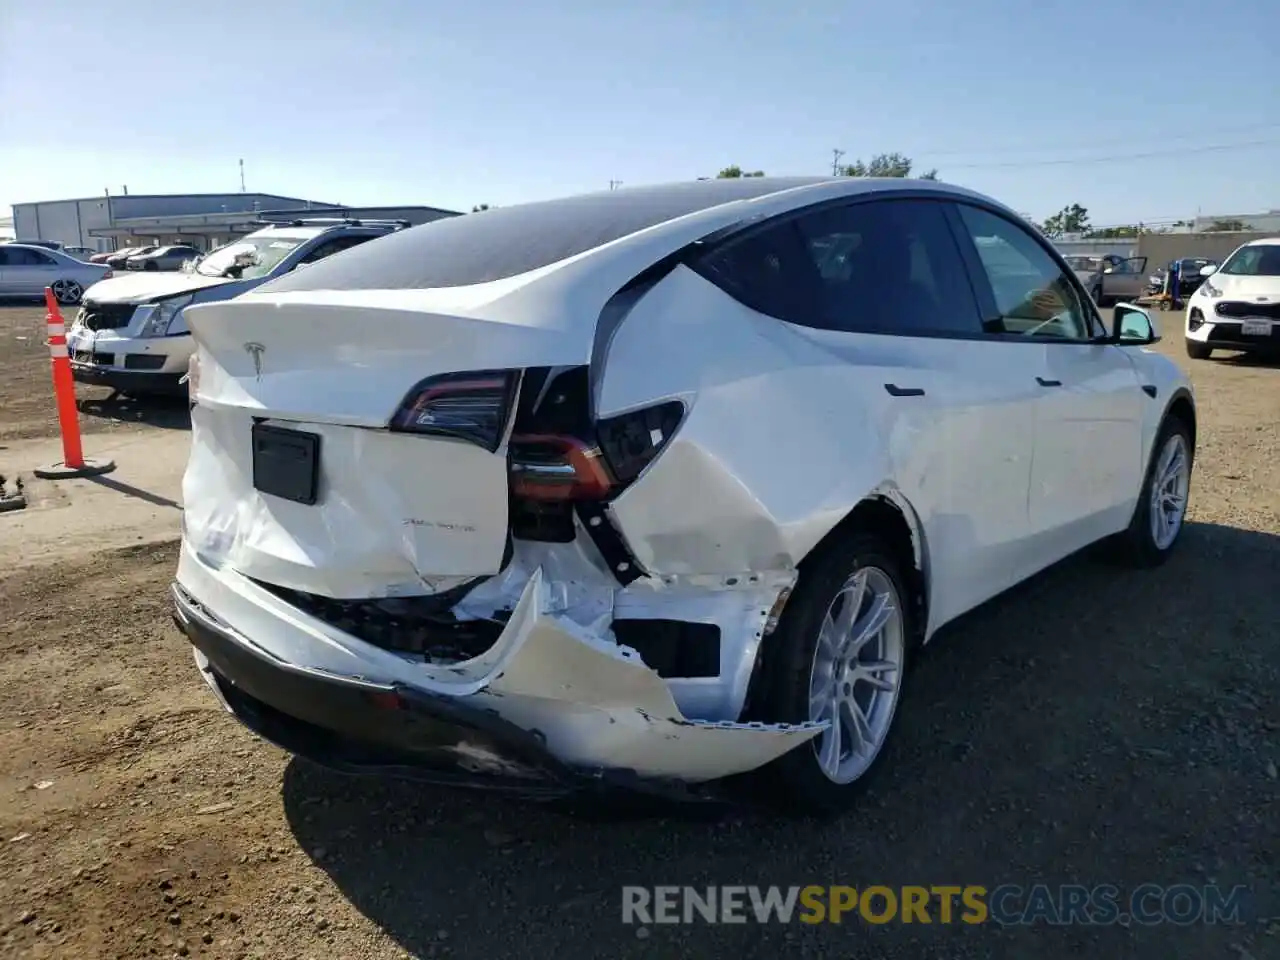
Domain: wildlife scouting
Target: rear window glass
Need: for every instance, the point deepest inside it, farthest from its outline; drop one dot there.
(507, 241)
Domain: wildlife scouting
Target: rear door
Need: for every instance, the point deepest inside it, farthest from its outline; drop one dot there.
(1089, 405)
(856, 358)
(1127, 279)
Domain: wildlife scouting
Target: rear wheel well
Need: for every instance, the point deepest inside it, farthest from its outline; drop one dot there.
(1184, 411)
(884, 519)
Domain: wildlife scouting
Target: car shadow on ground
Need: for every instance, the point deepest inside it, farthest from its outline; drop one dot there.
(1258, 359)
(1095, 725)
(155, 410)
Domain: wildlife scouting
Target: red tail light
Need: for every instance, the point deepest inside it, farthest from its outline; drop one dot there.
(559, 467)
(473, 406)
(550, 467)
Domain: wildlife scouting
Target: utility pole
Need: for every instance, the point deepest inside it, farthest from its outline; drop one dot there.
(242, 176)
(614, 184)
(835, 162)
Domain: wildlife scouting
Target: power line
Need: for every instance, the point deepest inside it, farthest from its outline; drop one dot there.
(1145, 155)
(1022, 147)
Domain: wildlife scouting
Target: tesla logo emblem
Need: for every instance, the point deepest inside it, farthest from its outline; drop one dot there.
(256, 350)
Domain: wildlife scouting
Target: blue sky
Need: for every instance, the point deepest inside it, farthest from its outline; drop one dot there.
(457, 103)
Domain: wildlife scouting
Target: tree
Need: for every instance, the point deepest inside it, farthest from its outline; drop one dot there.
(1226, 226)
(1072, 219)
(885, 165)
(735, 171)
(1114, 233)
(479, 207)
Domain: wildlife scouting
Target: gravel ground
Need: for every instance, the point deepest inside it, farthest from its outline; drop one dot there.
(1094, 726)
(26, 388)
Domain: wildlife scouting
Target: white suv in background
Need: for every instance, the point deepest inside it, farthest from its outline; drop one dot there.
(1238, 305)
(130, 333)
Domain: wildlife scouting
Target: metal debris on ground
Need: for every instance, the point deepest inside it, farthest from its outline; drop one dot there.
(12, 494)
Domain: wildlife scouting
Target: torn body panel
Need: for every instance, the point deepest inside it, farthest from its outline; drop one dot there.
(830, 426)
(593, 703)
(579, 588)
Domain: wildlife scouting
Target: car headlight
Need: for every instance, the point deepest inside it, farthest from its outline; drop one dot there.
(162, 316)
(1210, 291)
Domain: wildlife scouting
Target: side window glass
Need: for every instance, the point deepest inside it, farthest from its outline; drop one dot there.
(889, 266)
(1033, 297)
(874, 267)
(770, 270)
(29, 258)
(329, 248)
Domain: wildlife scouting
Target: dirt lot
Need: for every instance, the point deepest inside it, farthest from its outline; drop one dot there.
(26, 400)
(1094, 727)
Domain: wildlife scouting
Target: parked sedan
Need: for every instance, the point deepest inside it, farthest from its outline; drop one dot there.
(117, 260)
(654, 486)
(163, 258)
(26, 270)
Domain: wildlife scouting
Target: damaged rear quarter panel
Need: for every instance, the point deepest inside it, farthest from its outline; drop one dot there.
(754, 478)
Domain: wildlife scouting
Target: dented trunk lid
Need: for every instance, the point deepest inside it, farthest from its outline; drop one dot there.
(394, 513)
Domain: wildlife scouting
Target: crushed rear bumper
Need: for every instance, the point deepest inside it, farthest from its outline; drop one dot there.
(554, 716)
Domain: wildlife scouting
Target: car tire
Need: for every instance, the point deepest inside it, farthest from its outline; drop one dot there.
(803, 665)
(1149, 539)
(1199, 351)
(67, 292)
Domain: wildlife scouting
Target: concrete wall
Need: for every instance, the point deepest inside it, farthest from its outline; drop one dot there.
(1096, 248)
(1161, 248)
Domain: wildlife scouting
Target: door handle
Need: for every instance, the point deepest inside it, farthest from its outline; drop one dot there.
(897, 391)
(1048, 383)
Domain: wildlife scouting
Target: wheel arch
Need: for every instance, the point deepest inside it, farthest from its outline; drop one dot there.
(888, 514)
(1182, 406)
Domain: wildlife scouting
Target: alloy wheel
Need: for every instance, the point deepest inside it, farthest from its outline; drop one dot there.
(67, 291)
(856, 676)
(1169, 486)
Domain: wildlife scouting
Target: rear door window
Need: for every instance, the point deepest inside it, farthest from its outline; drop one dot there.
(884, 266)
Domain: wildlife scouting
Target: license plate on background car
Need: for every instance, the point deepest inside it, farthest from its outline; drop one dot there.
(1256, 328)
(286, 463)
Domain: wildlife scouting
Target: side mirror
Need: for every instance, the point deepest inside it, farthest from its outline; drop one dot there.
(1133, 327)
(1208, 270)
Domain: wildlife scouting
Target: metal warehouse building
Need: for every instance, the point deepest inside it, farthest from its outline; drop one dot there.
(201, 219)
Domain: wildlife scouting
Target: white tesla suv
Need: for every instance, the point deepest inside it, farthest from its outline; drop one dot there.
(1238, 305)
(652, 487)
